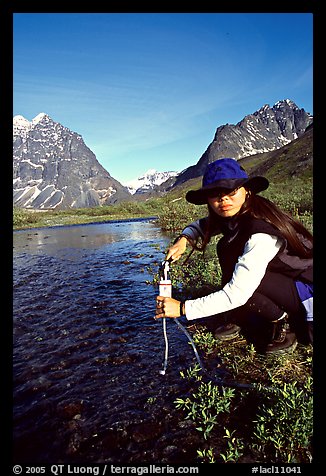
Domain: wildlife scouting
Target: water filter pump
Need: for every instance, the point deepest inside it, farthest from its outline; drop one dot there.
(165, 290)
(165, 284)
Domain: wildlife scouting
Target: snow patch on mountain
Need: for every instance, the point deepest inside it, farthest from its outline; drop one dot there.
(21, 126)
(148, 181)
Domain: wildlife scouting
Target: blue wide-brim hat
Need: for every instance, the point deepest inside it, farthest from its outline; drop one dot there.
(226, 174)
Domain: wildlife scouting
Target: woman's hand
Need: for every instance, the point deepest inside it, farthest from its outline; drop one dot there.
(176, 251)
(167, 307)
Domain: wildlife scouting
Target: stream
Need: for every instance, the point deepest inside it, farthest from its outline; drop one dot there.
(87, 351)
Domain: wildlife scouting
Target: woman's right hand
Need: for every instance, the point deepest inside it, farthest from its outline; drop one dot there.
(177, 250)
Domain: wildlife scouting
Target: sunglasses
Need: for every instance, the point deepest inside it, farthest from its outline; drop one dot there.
(221, 193)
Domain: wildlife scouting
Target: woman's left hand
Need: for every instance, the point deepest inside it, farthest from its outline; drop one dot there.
(167, 307)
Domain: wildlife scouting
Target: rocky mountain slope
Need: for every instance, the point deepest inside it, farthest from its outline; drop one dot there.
(291, 163)
(54, 169)
(265, 130)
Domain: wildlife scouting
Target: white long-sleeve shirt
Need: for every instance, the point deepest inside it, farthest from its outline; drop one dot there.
(250, 269)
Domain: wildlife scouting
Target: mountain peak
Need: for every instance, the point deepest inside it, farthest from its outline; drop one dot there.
(148, 181)
(39, 118)
(284, 102)
(150, 172)
(19, 118)
(22, 125)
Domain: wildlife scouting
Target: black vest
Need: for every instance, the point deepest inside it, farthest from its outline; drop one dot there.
(236, 233)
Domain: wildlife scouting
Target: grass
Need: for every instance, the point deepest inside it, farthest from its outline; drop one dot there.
(25, 218)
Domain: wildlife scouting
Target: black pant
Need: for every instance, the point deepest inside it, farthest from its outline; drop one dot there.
(275, 295)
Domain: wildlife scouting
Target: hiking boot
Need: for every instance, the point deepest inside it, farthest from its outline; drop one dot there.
(227, 332)
(282, 339)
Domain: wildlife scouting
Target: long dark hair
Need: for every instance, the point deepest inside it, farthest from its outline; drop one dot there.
(297, 236)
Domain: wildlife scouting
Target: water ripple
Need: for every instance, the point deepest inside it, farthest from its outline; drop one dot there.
(87, 351)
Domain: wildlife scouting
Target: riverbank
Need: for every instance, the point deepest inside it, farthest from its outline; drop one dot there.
(172, 210)
(24, 219)
(76, 220)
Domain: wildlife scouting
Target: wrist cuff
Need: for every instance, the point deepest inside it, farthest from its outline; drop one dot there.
(181, 236)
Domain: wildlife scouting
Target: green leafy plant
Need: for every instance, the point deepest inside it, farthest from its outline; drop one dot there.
(205, 341)
(205, 405)
(284, 424)
(192, 373)
(234, 447)
(207, 455)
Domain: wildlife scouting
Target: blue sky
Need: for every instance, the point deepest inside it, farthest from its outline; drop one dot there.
(148, 90)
